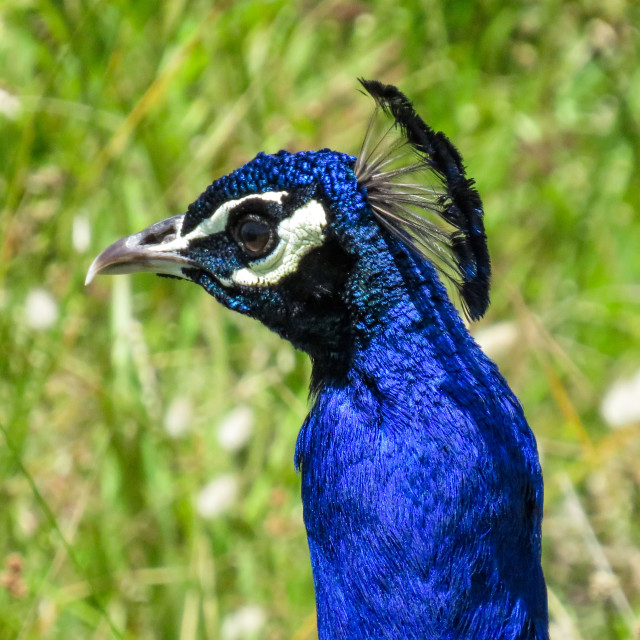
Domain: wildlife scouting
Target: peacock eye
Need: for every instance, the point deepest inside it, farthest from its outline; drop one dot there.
(255, 235)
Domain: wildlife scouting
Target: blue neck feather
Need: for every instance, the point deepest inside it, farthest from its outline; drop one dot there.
(420, 479)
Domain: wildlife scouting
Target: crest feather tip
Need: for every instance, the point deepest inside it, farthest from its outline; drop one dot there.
(393, 168)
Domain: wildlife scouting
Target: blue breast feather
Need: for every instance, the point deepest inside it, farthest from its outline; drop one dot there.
(421, 484)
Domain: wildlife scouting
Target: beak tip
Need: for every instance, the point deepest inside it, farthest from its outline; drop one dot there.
(151, 250)
(91, 274)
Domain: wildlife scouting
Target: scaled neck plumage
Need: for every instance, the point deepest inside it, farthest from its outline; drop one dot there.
(420, 479)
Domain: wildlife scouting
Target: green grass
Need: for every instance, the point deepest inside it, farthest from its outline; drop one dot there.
(125, 112)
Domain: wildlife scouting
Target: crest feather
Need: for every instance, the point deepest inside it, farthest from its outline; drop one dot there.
(411, 171)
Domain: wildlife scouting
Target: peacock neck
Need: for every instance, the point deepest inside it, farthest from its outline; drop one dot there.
(420, 481)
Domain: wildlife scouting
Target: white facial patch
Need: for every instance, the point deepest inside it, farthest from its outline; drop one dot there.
(218, 221)
(299, 234)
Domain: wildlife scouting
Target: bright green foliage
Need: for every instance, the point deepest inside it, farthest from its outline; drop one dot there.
(116, 114)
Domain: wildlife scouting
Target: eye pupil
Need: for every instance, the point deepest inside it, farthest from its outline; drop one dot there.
(254, 235)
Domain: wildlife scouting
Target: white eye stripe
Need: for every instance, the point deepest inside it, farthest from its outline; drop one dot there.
(298, 234)
(217, 221)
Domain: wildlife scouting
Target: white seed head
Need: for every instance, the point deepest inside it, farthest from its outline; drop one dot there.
(9, 104)
(244, 623)
(621, 403)
(178, 419)
(217, 496)
(497, 339)
(235, 429)
(41, 310)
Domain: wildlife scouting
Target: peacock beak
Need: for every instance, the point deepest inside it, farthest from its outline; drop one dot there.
(156, 249)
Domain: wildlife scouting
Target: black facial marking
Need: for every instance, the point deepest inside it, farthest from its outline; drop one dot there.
(298, 198)
(318, 319)
(321, 274)
(268, 209)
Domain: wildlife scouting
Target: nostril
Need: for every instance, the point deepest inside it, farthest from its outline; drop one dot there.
(159, 237)
(161, 233)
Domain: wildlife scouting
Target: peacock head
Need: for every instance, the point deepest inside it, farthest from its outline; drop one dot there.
(295, 239)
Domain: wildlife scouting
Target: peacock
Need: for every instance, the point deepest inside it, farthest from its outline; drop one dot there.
(420, 478)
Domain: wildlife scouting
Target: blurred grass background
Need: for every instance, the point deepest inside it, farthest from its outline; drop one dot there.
(147, 435)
